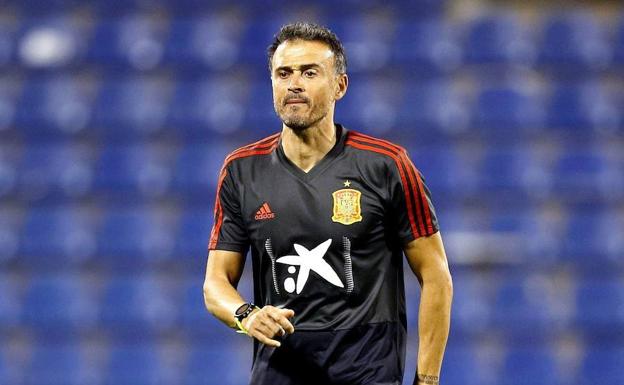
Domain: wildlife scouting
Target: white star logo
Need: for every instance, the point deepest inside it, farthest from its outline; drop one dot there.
(311, 260)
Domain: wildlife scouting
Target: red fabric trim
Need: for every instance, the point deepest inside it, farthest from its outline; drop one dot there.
(425, 203)
(240, 153)
(214, 236)
(406, 162)
(397, 160)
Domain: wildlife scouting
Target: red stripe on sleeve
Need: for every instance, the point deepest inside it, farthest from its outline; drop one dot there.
(425, 203)
(408, 200)
(241, 153)
(405, 161)
(214, 236)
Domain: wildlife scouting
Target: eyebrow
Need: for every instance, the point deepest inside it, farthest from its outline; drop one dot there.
(302, 67)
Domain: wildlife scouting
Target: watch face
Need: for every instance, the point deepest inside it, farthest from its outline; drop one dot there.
(242, 309)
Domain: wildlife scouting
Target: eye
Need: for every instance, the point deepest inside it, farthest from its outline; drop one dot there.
(310, 73)
(282, 74)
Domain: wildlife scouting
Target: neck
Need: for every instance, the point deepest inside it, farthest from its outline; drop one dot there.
(306, 148)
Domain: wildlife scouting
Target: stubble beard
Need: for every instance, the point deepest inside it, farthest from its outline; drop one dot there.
(299, 122)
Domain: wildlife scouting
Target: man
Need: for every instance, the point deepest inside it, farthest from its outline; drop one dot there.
(328, 214)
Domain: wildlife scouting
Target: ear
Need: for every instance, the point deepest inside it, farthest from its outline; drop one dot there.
(342, 83)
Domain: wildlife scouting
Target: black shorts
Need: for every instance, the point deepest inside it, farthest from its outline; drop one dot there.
(367, 355)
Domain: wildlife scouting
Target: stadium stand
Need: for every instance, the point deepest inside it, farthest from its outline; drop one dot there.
(115, 118)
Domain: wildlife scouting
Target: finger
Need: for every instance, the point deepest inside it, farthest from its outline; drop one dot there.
(285, 324)
(270, 329)
(288, 313)
(267, 341)
(282, 321)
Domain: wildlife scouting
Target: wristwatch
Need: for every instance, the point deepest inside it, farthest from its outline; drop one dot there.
(241, 313)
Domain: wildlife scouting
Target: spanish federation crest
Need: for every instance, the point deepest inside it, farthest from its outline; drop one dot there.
(347, 209)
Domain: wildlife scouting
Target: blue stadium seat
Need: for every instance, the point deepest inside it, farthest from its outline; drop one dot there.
(435, 106)
(256, 38)
(10, 304)
(459, 359)
(194, 317)
(584, 239)
(579, 173)
(197, 168)
(134, 170)
(5, 375)
(599, 305)
(442, 170)
(530, 366)
(618, 49)
(367, 38)
(508, 110)
(523, 305)
(260, 117)
(54, 105)
(40, 7)
(131, 107)
(501, 171)
(135, 237)
(60, 33)
(57, 236)
(574, 42)
(61, 303)
(7, 43)
(190, 8)
(199, 44)
(10, 90)
(135, 364)
(212, 106)
(580, 108)
(381, 96)
(427, 47)
(472, 304)
(229, 362)
(132, 41)
(55, 172)
(137, 305)
(9, 160)
(603, 365)
(498, 38)
(192, 237)
(613, 237)
(10, 226)
(59, 364)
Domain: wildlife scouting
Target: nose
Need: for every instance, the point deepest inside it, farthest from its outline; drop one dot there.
(296, 84)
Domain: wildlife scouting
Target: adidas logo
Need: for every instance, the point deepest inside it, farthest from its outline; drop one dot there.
(264, 212)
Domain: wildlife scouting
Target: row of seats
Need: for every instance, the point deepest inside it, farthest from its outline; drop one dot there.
(53, 237)
(73, 302)
(531, 366)
(124, 363)
(56, 238)
(573, 41)
(63, 171)
(116, 8)
(135, 107)
(146, 362)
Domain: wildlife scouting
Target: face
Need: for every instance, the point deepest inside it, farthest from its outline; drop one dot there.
(305, 83)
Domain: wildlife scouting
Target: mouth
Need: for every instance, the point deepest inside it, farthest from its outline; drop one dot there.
(295, 101)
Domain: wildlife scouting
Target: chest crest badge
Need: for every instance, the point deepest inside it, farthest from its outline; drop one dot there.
(347, 208)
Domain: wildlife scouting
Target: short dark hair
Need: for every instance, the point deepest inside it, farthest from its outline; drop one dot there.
(310, 32)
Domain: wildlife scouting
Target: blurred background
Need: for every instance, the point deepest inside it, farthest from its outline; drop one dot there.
(115, 117)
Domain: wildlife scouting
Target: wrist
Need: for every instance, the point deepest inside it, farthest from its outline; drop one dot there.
(426, 379)
(247, 319)
(241, 316)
